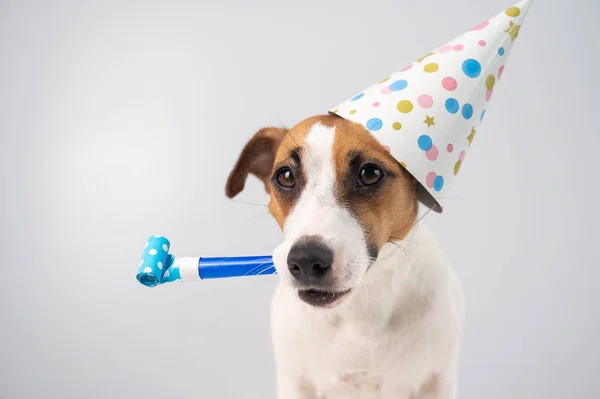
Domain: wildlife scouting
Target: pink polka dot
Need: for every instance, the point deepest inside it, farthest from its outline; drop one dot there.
(376, 104)
(385, 90)
(406, 68)
(482, 43)
(488, 95)
(388, 149)
(425, 100)
(432, 154)
(430, 179)
(450, 148)
(449, 83)
(445, 49)
(462, 155)
(481, 26)
(500, 71)
(458, 47)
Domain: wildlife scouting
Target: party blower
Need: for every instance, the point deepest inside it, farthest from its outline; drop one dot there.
(158, 266)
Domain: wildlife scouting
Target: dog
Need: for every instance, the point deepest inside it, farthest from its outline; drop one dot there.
(367, 305)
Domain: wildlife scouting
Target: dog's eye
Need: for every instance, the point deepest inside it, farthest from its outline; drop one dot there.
(369, 175)
(285, 178)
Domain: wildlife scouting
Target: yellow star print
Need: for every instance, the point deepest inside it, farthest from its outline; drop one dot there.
(429, 121)
(513, 31)
(471, 136)
(352, 112)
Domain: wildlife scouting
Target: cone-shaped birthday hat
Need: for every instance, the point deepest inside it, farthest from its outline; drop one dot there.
(429, 112)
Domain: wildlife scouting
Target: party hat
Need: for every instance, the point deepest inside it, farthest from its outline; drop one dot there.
(429, 112)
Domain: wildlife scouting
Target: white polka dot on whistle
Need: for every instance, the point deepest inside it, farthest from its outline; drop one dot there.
(160, 265)
(152, 252)
(165, 247)
(147, 269)
(167, 274)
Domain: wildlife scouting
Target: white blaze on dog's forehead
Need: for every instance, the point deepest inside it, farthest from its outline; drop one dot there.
(317, 196)
(318, 162)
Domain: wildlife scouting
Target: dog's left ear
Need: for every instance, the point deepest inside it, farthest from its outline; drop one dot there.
(257, 158)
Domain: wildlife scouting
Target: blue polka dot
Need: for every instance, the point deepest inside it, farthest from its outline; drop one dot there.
(425, 142)
(356, 97)
(482, 115)
(467, 111)
(471, 68)
(501, 51)
(374, 124)
(452, 105)
(438, 183)
(399, 85)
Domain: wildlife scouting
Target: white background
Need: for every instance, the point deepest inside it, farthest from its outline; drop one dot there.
(121, 119)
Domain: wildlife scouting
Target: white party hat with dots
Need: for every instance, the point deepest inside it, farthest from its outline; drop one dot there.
(429, 112)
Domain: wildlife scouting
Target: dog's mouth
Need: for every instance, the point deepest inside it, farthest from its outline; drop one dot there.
(321, 298)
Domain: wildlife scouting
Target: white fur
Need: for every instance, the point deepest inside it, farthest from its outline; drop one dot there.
(397, 332)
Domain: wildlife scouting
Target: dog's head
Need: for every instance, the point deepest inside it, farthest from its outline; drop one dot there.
(339, 197)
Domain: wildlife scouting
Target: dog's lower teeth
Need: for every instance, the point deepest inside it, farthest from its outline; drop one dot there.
(316, 297)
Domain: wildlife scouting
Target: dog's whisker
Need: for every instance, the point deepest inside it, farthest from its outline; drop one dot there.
(406, 252)
(257, 267)
(292, 136)
(266, 269)
(425, 214)
(366, 304)
(397, 239)
(444, 198)
(287, 146)
(255, 217)
(248, 203)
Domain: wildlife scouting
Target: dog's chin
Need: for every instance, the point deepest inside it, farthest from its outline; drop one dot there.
(323, 298)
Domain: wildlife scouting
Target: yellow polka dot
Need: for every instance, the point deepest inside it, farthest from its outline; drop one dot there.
(405, 106)
(432, 67)
(457, 167)
(385, 80)
(513, 12)
(335, 111)
(403, 165)
(397, 126)
(490, 81)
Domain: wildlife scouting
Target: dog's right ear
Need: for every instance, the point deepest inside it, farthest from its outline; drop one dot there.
(256, 158)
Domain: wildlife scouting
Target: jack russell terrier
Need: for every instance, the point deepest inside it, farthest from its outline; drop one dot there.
(367, 305)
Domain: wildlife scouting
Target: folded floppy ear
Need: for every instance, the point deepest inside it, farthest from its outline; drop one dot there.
(257, 158)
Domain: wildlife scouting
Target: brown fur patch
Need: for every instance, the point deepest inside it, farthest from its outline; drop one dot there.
(386, 212)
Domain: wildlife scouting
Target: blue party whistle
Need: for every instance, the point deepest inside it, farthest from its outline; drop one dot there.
(158, 266)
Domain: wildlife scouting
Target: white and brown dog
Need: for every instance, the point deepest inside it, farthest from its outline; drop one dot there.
(367, 305)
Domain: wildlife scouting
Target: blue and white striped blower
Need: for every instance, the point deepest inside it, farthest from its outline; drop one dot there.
(157, 266)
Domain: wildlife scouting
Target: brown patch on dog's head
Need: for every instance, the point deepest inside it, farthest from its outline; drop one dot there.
(386, 209)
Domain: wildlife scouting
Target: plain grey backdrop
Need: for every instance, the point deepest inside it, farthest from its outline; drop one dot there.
(121, 119)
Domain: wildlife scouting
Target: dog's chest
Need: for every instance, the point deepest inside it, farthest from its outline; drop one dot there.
(344, 362)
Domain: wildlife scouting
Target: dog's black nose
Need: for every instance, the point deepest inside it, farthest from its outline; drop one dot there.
(310, 260)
